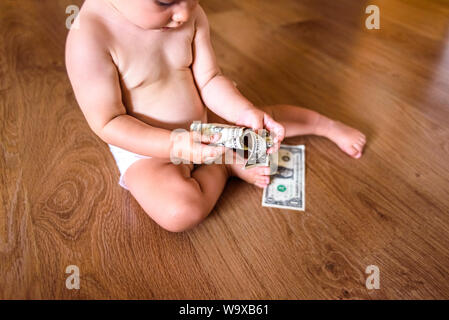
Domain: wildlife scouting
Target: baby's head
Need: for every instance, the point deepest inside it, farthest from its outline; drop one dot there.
(156, 14)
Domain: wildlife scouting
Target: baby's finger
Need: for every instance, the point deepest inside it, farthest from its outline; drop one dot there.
(274, 148)
(196, 136)
(219, 150)
(261, 185)
(280, 133)
(275, 128)
(210, 138)
(208, 152)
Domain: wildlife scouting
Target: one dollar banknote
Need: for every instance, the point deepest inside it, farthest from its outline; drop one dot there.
(286, 189)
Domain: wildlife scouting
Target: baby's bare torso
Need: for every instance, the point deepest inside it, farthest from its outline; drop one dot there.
(156, 80)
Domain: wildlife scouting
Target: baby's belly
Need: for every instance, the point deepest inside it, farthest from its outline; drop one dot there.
(171, 103)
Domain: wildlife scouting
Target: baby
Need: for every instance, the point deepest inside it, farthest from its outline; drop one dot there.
(142, 68)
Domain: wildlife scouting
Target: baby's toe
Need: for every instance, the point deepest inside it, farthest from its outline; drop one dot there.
(358, 146)
(263, 179)
(259, 185)
(352, 151)
(263, 171)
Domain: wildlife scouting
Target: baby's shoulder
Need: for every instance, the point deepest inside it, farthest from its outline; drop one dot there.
(199, 14)
(90, 31)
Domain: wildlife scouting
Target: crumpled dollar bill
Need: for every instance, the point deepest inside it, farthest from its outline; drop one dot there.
(240, 138)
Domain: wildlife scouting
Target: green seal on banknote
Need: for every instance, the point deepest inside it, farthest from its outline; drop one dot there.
(282, 188)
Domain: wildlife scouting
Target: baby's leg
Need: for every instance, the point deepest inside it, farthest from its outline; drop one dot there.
(174, 196)
(300, 121)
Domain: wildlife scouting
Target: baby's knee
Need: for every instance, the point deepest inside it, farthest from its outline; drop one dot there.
(183, 214)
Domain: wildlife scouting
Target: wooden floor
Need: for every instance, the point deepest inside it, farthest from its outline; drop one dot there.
(61, 204)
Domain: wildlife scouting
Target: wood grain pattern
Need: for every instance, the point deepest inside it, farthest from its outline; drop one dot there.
(61, 204)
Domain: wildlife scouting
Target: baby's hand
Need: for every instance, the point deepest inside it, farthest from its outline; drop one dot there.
(190, 146)
(257, 119)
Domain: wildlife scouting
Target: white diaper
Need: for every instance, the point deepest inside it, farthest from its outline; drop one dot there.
(124, 160)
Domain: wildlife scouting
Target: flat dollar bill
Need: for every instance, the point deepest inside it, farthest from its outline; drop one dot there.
(235, 137)
(286, 189)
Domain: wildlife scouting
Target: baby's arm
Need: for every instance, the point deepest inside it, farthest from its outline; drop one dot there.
(218, 92)
(96, 85)
(97, 89)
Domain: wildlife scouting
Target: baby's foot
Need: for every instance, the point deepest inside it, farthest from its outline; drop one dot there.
(348, 139)
(259, 176)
